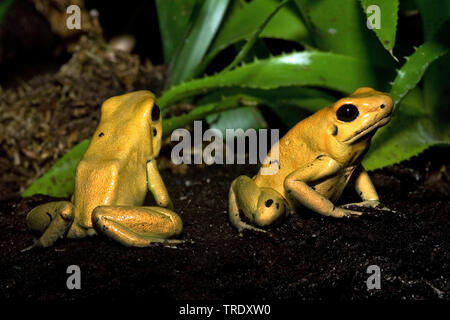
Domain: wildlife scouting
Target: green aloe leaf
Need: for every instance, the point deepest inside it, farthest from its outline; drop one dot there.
(310, 68)
(243, 23)
(203, 110)
(388, 20)
(293, 104)
(205, 24)
(413, 127)
(413, 70)
(60, 179)
(411, 131)
(340, 27)
(404, 137)
(244, 118)
(290, 104)
(173, 19)
(308, 99)
(281, 100)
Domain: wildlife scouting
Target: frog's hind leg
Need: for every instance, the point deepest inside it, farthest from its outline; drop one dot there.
(52, 219)
(137, 226)
(260, 205)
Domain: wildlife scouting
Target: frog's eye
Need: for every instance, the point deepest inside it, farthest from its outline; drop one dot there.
(347, 112)
(155, 112)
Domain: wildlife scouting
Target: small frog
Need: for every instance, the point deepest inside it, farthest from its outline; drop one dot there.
(112, 179)
(317, 158)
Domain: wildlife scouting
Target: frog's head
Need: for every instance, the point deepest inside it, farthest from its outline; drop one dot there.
(133, 118)
(357, 117)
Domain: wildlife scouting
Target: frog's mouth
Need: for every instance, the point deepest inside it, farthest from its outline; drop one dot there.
(368, 132)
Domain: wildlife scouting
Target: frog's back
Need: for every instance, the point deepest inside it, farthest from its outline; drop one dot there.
(298, 147)
(112, 171)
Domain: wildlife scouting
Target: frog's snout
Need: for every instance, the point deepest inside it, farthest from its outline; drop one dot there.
(387, 105)
(386, 110)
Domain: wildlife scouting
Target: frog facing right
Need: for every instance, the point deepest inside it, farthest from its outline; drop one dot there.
(317, 158)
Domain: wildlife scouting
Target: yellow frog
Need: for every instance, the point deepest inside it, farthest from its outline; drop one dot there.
(112, 179)
(316, 160)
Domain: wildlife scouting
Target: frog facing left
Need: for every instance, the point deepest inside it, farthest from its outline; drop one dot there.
(112, 180)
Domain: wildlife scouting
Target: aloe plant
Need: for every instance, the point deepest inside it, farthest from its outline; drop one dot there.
(340, 53)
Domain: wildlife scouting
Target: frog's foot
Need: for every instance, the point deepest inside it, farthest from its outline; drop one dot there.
(341, 212)
(368, 204)
(52, 219)
(137, 226)
(35, 244)
(261, 206)
(77, 232)
(241, 226)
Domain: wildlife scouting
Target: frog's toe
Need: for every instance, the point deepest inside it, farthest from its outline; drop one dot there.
(383, 208)
(249, 227)
(375, 204)
(364, 204)
(241, 226)
(341, 212)
(36, 244)
(172, 243)
(352, 213)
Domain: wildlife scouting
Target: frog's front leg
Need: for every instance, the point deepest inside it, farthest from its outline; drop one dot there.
(137, 226)
(261, 206)
(297, 185)
(52, 219)
(156, 185)
(366, 190)
(141, 226)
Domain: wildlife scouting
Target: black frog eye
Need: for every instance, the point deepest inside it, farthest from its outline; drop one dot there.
(347, 112)
(155, 112)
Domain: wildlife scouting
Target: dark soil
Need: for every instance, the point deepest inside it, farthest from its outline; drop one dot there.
(307, 256)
